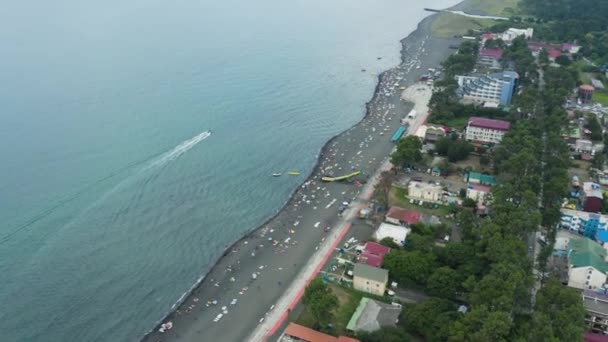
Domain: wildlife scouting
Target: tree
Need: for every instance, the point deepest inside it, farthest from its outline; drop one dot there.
(563, 60)
(543, 57)
(419, 242)
(384, 334)
(596, 129)
(430, 318)
(412, 267)
(389, 242)
(563, 308)
(408, 151)
(320, 300)
(444, 283)
(469, 203)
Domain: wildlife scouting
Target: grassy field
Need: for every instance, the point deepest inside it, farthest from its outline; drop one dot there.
(448, 25)
(601, 98)
(348, 300)
(504, 8)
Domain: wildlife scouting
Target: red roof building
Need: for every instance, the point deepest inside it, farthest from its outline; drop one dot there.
(498, 125)
(494, 53)
(373, 254)
(304, 334)
(593, 337)
(402, 216)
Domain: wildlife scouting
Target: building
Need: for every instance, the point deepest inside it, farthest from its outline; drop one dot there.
(587, 264)
(596, 307)
(372, 315)
(486, 131)
(370, 279)
(583, 146)
(583, 223)
(493, 89)
(509, 35)
(570, 48)
(479, 193)
(299, 333)
(593, 197)
(396, 233)
(399, 216)
(597, 84)
(490, 58)
(593, 337)
(479, 178)
(425, 191)
(373, 254)
(585, 93)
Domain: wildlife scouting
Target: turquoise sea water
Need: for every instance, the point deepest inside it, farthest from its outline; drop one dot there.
(113, 200)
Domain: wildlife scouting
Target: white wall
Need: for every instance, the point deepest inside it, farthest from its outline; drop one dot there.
(578, 278)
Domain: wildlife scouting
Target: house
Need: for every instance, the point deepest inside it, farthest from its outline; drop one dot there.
(479, 193)
(373, 254)
(486, 131)
(585, 93)
(399, 216)
(397, 233)
(593, 197)
(480, 179)
(299, 333)
(370, 279)
(372, 315)
(570, 48)
(596, 307)
(490, 58)
(496, 88)
(587, 265)
(513, 33)
(435, 171)
(434, 133)
(425, 191)
(583, 146)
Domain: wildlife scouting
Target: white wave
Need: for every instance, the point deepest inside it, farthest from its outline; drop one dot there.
(178, 150)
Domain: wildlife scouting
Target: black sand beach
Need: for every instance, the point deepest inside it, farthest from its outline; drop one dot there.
(277, 251)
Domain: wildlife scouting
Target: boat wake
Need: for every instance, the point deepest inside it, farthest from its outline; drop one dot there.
(151, 163)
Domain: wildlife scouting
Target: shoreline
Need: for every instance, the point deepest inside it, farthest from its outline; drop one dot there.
(422, 31)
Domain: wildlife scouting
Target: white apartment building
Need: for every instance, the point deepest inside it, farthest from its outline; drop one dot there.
(486, 131)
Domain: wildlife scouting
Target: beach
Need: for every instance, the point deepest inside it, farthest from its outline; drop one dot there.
(252, 276)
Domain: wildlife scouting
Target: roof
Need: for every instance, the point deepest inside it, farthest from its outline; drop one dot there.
(485, 179)
(371, 315)
(596, 302)
(601, 235)
(489, 35)
(587, 253)
(370, 259)
(372, 273)
(593, 337)
(586, 87)
(480, 188)
(397, 233)
(592, 190)
(307, 334)
(376, 248)
(553, 54)
(597, 84)
(408, 216)
(347, 339)
(499, 125)
(373, 254)
(495, 53)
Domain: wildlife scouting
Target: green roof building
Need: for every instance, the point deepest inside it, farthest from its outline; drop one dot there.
(478, 178)
(588, 266)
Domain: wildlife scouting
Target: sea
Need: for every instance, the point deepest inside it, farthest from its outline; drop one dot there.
(138, 139)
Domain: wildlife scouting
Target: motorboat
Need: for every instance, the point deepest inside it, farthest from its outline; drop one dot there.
(276, 174)
(293, 173)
